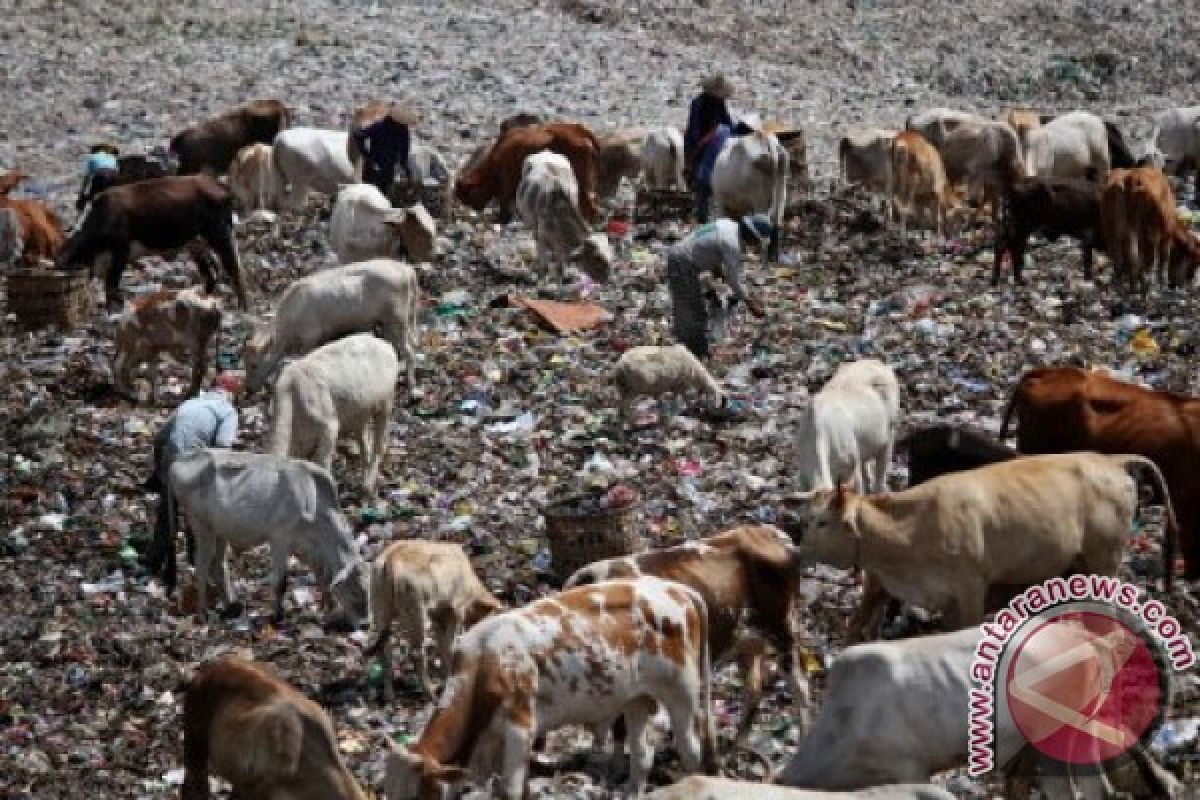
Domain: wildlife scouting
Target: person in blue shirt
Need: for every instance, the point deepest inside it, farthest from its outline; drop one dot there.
(207, 420)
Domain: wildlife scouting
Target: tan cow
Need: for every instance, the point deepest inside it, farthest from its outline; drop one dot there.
(181, 324)
(940, 545)
(1022, 120)
(919, 182)
(424, 584)
(584, 657)
(252, 178)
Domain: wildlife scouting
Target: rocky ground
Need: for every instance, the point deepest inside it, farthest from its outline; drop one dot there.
(508, 414)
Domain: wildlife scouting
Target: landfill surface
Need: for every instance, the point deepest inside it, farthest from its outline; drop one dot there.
(509, 414)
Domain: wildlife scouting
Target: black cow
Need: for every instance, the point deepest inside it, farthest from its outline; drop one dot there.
(1053, 207)
(212, 144)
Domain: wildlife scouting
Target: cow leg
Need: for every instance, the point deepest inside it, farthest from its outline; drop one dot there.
(279, 569)
(446, 627)
(417, 629)
(226, 249)
(203, 258)
(641, 751)
(326, 444)
(864, 624)
(749, 651)
(399, 337)
(518, 738)
(112, 281)
(684, 707)
(206, 550)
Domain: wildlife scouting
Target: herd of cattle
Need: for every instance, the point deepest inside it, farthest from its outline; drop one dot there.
(628, 636)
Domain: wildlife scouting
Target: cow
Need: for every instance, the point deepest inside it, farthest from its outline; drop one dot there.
(919, 182)
(702, 787)
(865, 158)
(942, 544)
(182, 324)
(344, 387)
(984, 155)
(243, 723)
(848, 428)
(364, 226)
(650, 371)
(936, 124)
(252, 178)
(309, 160)
(1138, 217)
(246, 499)
(941, 449)
(430, 588)
(212, 144)
(751, 175)
(620, 157)
(1184, 258)
(129, 169)
(1064, 409)
(584, 657)
(321, 307)
(1176, 143)
(662, 159)
(1077, 145)
(159, 216)
(1022, 120)
(749, 578)
(548, 202)
(498, 173)
(522, 119)
(38, 228)
(1053, 207)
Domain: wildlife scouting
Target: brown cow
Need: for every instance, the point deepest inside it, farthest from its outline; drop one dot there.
(1138, 211)
(40, 232)
(522, 119)
(157, 216)
(182, 324)
(919, 179)
(243, 723)
(497, 176)
(1053, 207)
(1066, 409)
(212, 144)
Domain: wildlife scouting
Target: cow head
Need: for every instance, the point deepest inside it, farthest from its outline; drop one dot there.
(471, 188)
(480, 609)
(255, 357)
(595, 257)
(830, 534)
(410, 776)
(417, 232)
(349, 588)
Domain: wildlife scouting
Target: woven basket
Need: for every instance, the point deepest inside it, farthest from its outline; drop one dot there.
(44, 298)
(577, 540)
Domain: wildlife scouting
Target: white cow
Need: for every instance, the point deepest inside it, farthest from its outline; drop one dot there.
(751, 175)
(651, 371)
(1077, 145)
(662, 159)
(1176, 142)
(848, 430)
(702, 787)
(548, 202)
(310, 159)
(320, 307)
(938, 123)
(426, 166)
(247, 499)
(346, 387)
(364, 225)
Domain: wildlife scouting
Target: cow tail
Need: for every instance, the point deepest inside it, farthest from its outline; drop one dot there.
(1119, 155)
(1171, 536)
(1009, 409)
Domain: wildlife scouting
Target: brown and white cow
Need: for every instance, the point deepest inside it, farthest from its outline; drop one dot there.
(252, 178)
(39, 231)
(243, 723)
(585, 657)
(212, 144)
(748, 576)
(919, 182)
(158, 216)
(181, 324)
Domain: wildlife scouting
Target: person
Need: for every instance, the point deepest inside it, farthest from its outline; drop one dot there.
(99, 171)
(385, 143)
(709, 126)
(207, 420)
(715, 248)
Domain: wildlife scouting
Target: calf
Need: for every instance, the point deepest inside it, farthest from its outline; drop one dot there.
(345, 386)
(662, 159)
(748, 576)
(181, 324)
(702, 787)
(247, 499)
(940, 545)
(424, 585)
(498, 173)
(583, 657)
(649, 371)
(620, 156)
(865, 158)
(942, 449)
(129, 169)
(212, 144)
(750, 175)
(38, 229)
(243, 723)
(364, 226)
(160, 216)
(320, 307)
(848, 428)
(252, 178)
(309, 160)
(548, 202)
(919, 182)
(1063, 409)
(1053, 207)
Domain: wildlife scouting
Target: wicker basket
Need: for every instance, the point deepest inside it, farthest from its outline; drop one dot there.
(432, 197)
(577, 540)
(659, 205)
(44, 298)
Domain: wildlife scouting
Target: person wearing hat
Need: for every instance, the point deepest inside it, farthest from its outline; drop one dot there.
(384, 143)
(716, 249)
(709, 125)
(99, 172)
(207, 420)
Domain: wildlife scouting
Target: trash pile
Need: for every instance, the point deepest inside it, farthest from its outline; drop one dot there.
(512, 409)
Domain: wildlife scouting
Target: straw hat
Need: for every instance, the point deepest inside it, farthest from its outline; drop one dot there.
(111, 149)
(717, 85)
